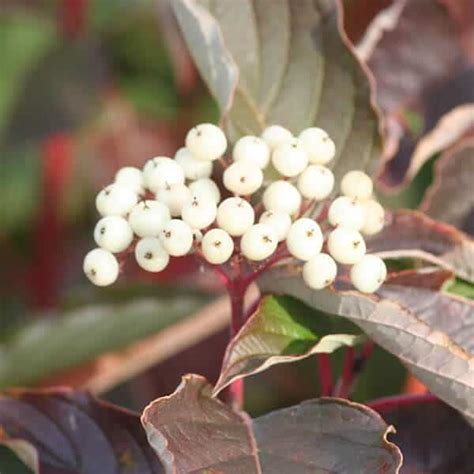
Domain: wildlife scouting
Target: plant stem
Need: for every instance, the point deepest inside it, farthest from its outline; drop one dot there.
(325, 374)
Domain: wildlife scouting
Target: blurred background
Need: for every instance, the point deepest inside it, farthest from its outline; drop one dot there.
(87, 86)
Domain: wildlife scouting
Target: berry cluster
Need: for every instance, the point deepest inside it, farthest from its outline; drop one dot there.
(173, 207)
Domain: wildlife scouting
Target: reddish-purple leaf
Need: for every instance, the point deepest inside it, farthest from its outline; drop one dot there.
(433, 437)
(446, 368)
(424, 278)
(193, 432)
(450, 198)
(412, 234)
(73, 433)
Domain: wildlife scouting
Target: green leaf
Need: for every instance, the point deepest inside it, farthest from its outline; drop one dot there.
(63, 341)
(25, 39)
(292, 66)
(282, 330)
(193, 432)
(445, 367)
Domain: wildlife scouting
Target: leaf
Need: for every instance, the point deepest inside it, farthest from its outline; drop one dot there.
(298, 54)
(432, 436)
(280, 331)
(408, 47)
(57, 343)
(192, 432)
(444, 312)
(415, 235)
(431, 355)
(450, 197)
(61, 431)
(25, 39)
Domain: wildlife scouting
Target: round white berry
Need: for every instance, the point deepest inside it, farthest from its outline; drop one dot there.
(199, 213)
(357, 185)
(290, 158)
(368, 274)
(304, 239)
(115, 200)
(148, 218)
(160, 172)
(113, 233)
(282, 196)
(206, 142)
(177, 237)
(206, 188)
(320, 271)
(259, 242)
(316, 182)
(101, 267)
(193, 167)
(131, 177)
(374, 217)
(275, 135)
(151, 255)
(252, 149)
(174, 197)
(280, 222)
(243, 178)
(346, 245)
(319, 147)
(347, 212)
(197, 235)
(235, 215)
(217, 246)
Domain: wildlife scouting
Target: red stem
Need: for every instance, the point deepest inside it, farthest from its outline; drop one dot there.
(325, 374)
(345, 382)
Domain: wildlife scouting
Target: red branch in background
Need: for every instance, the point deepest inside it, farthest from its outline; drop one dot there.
(72, 17)
(56, 173)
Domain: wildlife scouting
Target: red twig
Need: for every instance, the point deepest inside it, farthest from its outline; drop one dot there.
(325, 374)
(344, 383)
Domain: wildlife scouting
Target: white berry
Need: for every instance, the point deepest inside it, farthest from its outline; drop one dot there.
(319, 147)
(193, 167)
(113, 233)
(206, 142)
(101, 267)
(357, 185)
(148, 218)
(320, 271)
(243, 178)
(116, 200)
(160, 172)
(316, 182)
(374, 217)
(235, 215)
(275, 135)
(282, 196)
(206, 188)
(177, 237)
(304, 239)
(290, 158)
(253, 150)
(280, 222)
(174, 197)
(131, 177)
(346, 245)
(347, 212)
(151, 255)
(259, 242)
(217, 246)
(199, 213)
(368, 274)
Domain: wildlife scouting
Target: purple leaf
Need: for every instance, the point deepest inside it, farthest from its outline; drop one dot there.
(58, 431)
(412, 234)
(433, 437)
(193, 432)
